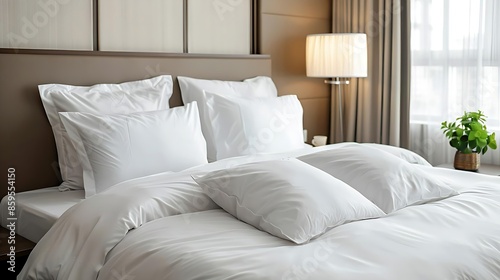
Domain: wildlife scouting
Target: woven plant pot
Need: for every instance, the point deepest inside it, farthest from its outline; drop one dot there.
(469, 162)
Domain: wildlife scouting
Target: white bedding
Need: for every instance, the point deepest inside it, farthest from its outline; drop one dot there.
(38, 210)
(164, 227)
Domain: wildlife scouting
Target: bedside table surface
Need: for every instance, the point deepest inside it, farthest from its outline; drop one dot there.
(488, 169)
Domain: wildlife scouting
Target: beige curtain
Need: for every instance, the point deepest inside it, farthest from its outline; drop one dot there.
(376, 108)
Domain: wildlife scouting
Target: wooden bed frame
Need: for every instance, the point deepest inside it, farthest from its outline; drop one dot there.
(27, 143)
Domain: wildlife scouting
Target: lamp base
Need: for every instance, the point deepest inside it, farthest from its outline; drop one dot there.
(339, 83)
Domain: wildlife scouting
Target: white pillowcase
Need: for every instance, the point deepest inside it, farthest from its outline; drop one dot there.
(135, 96)
(402, 153)
(253, 126)
(115, 148)
(388, 181)
(288, 199)
(193, 90)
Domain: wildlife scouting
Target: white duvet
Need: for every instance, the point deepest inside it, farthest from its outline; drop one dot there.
(164, 227)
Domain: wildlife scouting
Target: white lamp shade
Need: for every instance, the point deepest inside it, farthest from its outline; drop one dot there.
(342, 55)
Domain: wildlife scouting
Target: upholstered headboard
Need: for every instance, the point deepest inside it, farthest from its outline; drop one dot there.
(27, 143)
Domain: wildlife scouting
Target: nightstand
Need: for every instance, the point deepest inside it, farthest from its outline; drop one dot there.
(488, 169)
(22, 251)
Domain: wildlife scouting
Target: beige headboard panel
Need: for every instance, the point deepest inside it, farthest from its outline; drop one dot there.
(26, 141)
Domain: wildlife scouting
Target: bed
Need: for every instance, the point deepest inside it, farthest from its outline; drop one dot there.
(271, 208)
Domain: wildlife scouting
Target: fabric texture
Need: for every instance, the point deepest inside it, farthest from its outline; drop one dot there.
(287, 198)
(134, 96)
(376, 108)
(388, 181)
(115, 148)
(243, 126)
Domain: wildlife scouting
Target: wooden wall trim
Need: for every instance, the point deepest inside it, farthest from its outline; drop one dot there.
(132, 54)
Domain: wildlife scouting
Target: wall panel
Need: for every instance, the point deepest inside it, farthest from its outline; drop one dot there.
(46, 24)
(283, 27)
(146, 25)
(219, 26)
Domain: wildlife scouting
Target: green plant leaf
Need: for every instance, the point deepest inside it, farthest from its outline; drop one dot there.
(463, 147)
(472, 145)
(482, 134)
(469, 134)
(481, 143)
(485, 149)
(472, 136)
(475, 126)
(493, 142)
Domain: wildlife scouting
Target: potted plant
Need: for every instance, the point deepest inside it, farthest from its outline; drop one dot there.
(468, 134)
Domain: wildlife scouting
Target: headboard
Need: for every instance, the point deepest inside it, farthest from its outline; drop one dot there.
(27, 143)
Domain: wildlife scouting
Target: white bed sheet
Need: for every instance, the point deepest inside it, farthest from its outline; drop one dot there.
(164, 227)
(38, 210)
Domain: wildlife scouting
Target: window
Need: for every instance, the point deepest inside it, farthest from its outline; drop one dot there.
(455, 52)
(455, 59)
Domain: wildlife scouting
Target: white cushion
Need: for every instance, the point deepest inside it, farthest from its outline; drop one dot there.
(115, 148)
(288, 198)
(253, 126)
(136, 96)
(192, 90)
(402, 153)
(388, 181)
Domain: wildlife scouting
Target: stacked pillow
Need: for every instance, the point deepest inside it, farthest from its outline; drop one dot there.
(109, 133)
(243, 118)
(136, 96)
(286, 198)
(390, 182)
(243, 126)
(119, 147)
(299, 199)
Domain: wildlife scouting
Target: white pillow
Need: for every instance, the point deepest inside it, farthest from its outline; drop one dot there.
(402, 153)
(115, 148)
(388, 181)
(288, 199)
(192, 90)
(254, 126)
(136, 96)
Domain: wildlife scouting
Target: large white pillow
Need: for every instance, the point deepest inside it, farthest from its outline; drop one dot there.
(402, 153)
(388, 181)
(115, 148)
(135, 96)
(288, 198)
(253, 126)
(192, 89)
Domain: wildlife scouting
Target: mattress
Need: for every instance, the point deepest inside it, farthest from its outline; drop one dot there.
(38, 210)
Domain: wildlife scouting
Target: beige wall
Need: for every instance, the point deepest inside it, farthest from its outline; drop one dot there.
(283, 27)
